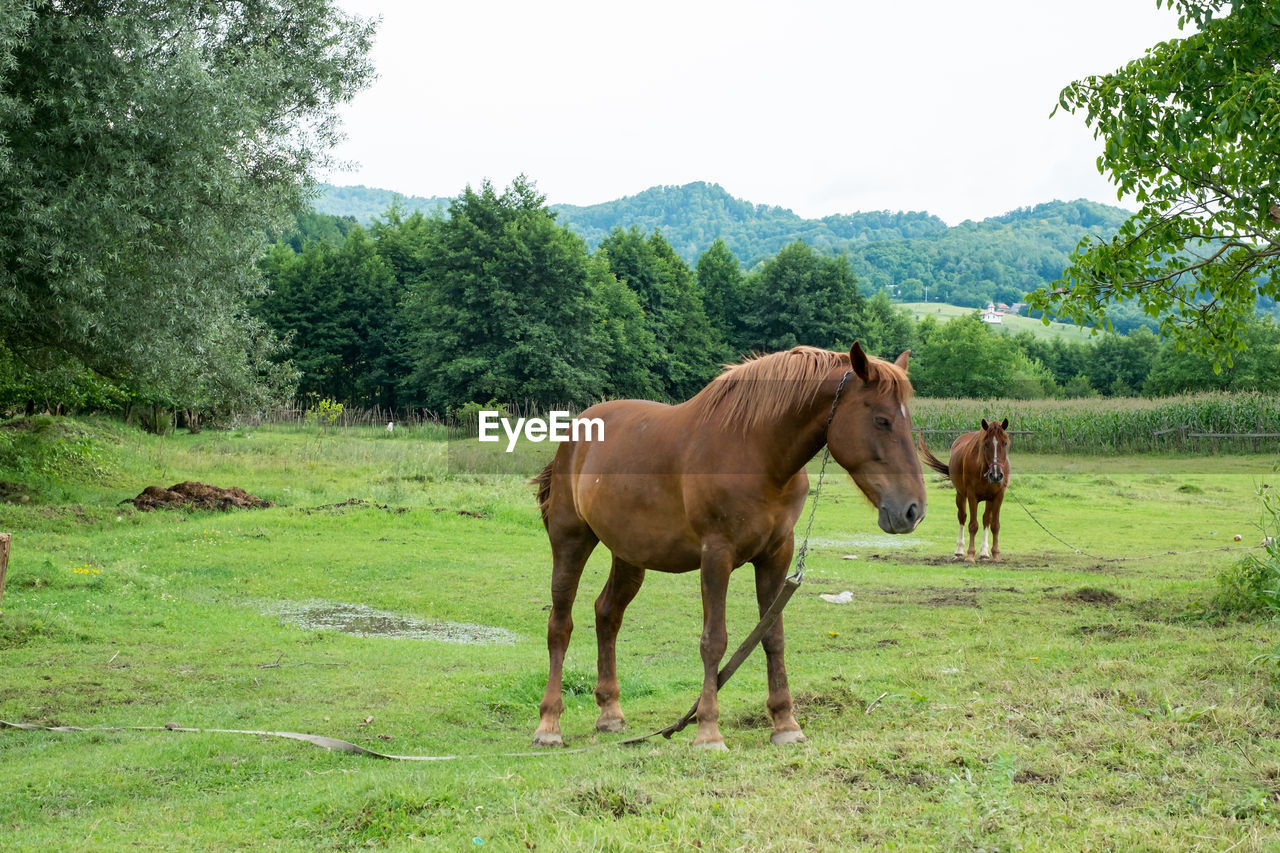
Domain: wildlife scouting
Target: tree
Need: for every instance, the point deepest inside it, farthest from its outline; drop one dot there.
(689, 347)
(146, 149)
(1189, 132)
(1178, 371)
(964, 358)
(503, 307)
(801, 297)
(625, 349)
(1119, 364)
(720, 284)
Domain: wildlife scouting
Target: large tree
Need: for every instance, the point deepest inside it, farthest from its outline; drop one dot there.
(689, 349)
(1189, 131)
(801, 297)
(503, 307)
(146, 149)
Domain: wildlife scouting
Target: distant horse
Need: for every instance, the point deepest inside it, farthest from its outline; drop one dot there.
(979, 469)
(711, 484)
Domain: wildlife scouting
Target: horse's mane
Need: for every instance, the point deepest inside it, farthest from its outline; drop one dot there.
(765, 387)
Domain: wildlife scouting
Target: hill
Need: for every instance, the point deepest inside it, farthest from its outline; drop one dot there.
(364, 203)
(910, 255)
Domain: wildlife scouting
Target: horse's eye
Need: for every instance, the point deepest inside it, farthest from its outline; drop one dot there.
(883, 422)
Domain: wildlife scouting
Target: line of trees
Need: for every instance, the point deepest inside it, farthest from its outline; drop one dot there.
(496, 300)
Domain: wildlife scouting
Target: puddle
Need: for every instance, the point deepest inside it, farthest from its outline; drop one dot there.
(872, 540)
(364, 621)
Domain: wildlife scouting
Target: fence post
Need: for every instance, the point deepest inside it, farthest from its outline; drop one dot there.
(4, 560)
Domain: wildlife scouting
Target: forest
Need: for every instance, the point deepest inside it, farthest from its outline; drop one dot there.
(912, 256)
(497, 299)
(500, 300)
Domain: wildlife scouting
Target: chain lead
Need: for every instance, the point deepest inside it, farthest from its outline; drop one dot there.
(798, 575)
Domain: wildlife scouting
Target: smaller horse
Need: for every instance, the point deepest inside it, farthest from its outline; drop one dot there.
(979, 469)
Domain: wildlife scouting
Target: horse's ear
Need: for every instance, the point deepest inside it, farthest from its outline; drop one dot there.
(984, 424)
(858, 359)
(901, 361)
(1004, 424)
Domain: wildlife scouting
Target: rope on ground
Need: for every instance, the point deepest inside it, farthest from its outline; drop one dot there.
(1123, 559)
(319, 740)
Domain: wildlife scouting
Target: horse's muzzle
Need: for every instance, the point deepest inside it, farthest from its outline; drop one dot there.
(995, 474)
(901, 519)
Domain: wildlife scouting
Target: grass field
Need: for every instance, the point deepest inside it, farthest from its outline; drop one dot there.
(1072, 697)
(943, 312)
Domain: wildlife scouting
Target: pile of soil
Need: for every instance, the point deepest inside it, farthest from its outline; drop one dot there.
(196, 496)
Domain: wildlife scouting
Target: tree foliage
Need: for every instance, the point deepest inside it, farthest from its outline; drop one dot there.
(1189, 132)
(689, 348)
(502, 309)
(146, 148)
(801, 297)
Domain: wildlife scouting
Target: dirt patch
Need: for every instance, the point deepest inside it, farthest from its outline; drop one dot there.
(196, 496)
(1093, 595)
(1034, 777)
(339, 508)
(952, 598)
(464, 512)
(364, 621)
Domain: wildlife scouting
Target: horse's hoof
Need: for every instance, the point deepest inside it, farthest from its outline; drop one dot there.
(716, 745)
(614, 725)
(784, 738)
(548, 739)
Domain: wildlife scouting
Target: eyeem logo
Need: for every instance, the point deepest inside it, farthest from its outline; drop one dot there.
(559, 427)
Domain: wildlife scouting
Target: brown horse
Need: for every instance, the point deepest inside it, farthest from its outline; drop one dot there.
(710, 484)
(979, 469)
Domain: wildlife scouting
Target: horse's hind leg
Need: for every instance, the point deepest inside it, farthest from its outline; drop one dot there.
(570, 548)
(624, 582)
(960, 513)
(771, 573)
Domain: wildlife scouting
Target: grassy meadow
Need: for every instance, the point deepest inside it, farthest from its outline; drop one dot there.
(1011, 323)
(1073, 697)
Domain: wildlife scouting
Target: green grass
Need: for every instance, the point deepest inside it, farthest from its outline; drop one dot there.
(1056, 701)
(942, 312)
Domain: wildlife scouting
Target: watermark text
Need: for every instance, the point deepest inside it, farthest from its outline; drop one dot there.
(558, 427)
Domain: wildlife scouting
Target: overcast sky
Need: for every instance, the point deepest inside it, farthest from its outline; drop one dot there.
(821, 107)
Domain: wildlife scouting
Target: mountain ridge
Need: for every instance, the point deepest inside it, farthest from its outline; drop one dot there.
(912, 255)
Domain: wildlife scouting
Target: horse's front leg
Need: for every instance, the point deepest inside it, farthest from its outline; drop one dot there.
(624, 583)
(973, 528)
(716, 567)
(771, 574)
(993, 513)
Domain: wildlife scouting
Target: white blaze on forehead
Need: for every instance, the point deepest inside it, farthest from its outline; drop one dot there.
(903, 409)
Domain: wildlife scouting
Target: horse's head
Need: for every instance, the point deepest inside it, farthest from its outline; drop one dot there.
(870, 436)
(995, 450)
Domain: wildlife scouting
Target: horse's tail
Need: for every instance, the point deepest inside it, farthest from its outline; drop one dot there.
(932, 461)
(543, 482)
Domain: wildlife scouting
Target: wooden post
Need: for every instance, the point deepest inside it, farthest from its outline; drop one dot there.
(4, 560)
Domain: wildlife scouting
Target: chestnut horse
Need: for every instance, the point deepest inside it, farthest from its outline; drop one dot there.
(710, 484)
(979, 469)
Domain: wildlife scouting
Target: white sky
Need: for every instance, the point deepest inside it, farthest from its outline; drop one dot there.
(819, 106)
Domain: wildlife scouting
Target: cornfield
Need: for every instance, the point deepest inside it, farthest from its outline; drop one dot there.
(1211, 423)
